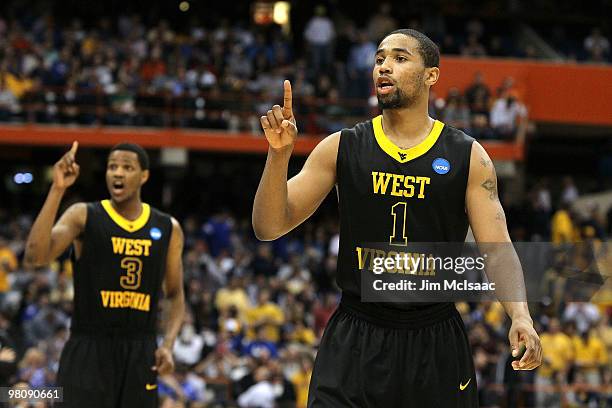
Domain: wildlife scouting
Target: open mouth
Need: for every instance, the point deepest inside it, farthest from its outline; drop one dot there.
(384, 85)
(118, 187)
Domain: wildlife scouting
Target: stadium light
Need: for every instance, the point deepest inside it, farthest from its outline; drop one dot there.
(184, 6)
(281, 12)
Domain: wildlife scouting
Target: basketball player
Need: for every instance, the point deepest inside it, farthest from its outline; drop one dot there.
(124, 253)
(441, 180)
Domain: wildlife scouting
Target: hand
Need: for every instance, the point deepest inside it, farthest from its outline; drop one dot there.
(522, 333)
(66, 171)
(279, 123)
(164, 363)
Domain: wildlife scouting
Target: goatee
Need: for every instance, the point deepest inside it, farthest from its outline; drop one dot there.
(395, 100)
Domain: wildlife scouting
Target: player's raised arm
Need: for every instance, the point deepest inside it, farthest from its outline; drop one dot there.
(47, 241)
(281, 205)
(488, 224)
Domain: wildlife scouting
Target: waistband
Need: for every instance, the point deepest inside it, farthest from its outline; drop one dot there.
(388, 316)
(111, 332)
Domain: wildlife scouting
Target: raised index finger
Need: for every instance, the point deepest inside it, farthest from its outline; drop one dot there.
(73, 149)
(287, 99)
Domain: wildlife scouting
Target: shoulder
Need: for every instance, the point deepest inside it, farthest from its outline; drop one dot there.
(358, 130)
(456, 136)
(77, 213)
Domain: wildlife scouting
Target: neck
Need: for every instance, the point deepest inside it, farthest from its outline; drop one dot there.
(407, 127)
(129, 209)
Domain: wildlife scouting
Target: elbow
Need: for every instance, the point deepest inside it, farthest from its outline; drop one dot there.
(32, 257)
(265, 233)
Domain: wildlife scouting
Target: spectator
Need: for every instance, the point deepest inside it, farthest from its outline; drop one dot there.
(188, 346)
(473, 48)
(265, 316)
(359, 65)
(557, 357)
(261, 348)
(32, 368)
(8, 264)
(457, 114)
(261, 394)
(591, 358)
(233, 295)
(582, 314)
(507, 113)
(8, 102)
(478, 89)
(597, 46)
(381, 23)
(319, 34)
(562, 227)
(301, 380)
(569, 194)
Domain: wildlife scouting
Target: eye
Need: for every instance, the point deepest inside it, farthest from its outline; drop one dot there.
(401, 58)
(379, 60)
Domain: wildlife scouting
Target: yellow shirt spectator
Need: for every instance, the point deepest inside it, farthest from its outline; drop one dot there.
(8, 263)
(590, 353)
(236, 296)
(17, 85)
(562, 227)
(557, 353)
(301, 380)
(269, 315)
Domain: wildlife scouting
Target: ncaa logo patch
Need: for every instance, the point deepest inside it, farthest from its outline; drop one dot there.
(441, 166)
(155, 233)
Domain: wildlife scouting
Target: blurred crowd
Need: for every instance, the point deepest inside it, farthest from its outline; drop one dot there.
(256, 311)
(127, 71)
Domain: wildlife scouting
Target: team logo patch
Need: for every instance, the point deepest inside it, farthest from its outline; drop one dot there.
(155, 233)
(402, 155)
(441, 166)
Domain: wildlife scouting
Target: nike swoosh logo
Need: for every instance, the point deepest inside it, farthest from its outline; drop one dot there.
(462, 387)
(150, 387)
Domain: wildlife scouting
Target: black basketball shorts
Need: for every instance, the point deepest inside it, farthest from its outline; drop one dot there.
(100, 371)
(380, 360)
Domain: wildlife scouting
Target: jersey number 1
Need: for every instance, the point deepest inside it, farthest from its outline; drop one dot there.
(399, 237)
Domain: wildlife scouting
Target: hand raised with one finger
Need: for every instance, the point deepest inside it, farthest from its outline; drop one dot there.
(279, 123)
(66, 170)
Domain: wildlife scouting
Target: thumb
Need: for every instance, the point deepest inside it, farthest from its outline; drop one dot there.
(287, 125)
(514, 343)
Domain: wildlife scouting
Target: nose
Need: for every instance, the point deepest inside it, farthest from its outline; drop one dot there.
(385, 67)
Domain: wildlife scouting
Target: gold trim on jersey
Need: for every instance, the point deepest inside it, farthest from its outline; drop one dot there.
(129, 226)
(405, 155)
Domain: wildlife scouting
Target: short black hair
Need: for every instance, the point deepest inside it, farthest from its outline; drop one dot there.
(428, 49)
(143, 157)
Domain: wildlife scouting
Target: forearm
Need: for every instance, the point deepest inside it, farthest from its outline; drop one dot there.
(175, 313)
(38, 245)
(270, 207)
(504, 268)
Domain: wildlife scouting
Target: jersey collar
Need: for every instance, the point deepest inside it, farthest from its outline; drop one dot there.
(128, 225)
(405, 155)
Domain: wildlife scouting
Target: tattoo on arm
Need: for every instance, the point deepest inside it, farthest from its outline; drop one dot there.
(484, 162)
(500, 216)
(491, 187)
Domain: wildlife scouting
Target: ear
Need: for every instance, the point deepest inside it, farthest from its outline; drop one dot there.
(431, 75)
(144, 177)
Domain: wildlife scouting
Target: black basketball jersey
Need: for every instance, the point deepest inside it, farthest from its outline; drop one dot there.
(118, 277)
(395, 196)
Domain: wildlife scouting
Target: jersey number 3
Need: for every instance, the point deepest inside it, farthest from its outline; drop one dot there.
(133, 268)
